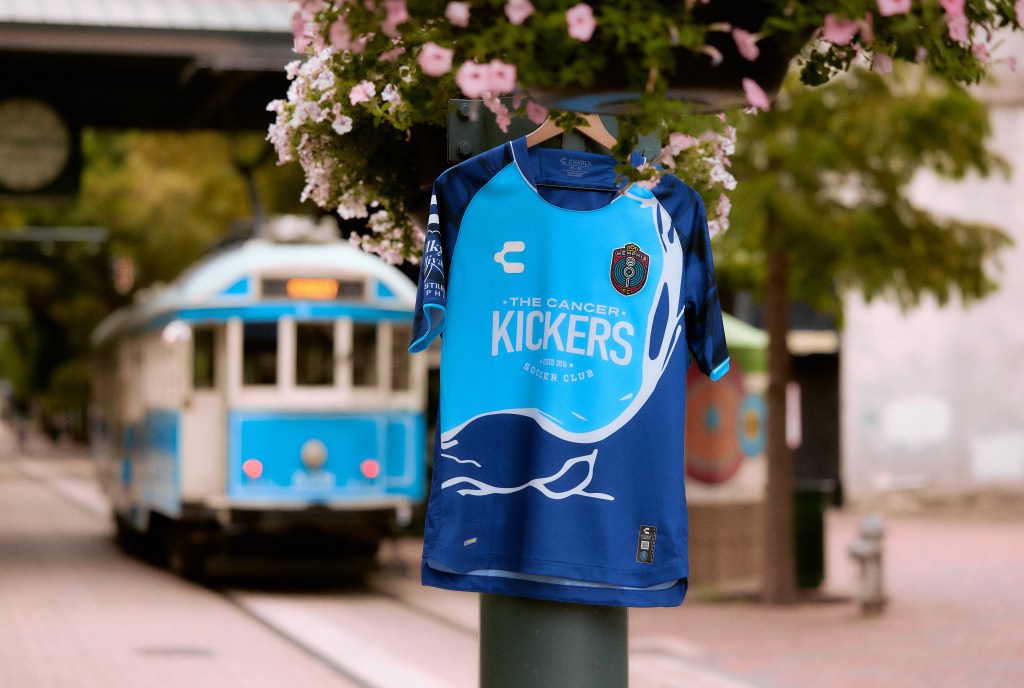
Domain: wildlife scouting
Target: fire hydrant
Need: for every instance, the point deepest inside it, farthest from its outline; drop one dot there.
(867, 550)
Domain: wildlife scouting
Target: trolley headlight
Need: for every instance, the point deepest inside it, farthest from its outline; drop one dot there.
(313, 454)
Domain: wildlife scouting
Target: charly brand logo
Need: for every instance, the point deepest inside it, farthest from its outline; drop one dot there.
(629, 269)
(575, 167)
(509, 266)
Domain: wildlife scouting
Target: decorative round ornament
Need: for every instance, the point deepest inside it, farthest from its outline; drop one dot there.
(724, 425)
(35, 144)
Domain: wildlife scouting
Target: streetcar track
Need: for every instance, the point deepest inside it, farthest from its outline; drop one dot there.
(424, 611)
(350, 653)
(80, 493)
(232, 597)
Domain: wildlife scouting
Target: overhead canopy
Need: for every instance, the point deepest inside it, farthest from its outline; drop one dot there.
(152, 64)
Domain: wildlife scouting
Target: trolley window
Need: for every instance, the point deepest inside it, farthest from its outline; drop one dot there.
(401, 363)
(364, 355)
(259, 354)
(314, 354)
(203, 357)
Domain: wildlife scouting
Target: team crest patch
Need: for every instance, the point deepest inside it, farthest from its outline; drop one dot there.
(629, 269)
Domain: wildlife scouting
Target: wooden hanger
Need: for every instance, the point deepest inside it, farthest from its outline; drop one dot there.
(594, 129)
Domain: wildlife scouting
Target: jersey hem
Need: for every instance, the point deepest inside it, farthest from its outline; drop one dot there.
(433, 329)
(671, 596)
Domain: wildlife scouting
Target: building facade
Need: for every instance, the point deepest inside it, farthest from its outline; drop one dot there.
(933, 399)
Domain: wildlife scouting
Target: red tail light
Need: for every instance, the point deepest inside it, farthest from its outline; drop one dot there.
(253, 468)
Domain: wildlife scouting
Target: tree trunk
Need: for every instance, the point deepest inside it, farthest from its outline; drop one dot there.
(779, 578)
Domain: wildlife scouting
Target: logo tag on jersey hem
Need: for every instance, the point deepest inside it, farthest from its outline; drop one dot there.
(645, 545)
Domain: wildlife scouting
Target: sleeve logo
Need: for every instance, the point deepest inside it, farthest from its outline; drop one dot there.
(629, 269)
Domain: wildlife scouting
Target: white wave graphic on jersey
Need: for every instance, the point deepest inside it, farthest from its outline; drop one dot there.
(652, 369)
(540, 484)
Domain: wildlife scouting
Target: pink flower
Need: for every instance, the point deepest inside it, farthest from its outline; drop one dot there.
(501, 77)
(340, 35)
(397, 13)
(359, 44)
(471, 78)
(881, 63)
(981, 51)
(342, 124)
(518, 10)
(390, 94)
(391, 55)
(1018, 8)
(678, 142)
(746, 43)
(362, 92)
(501, 114)
(310, 7)
(839, 31)
(536, 113)
(299, 32)
(888, 8)
(491, 79)
(458, 13)
(435, 60)
(581, 21)
(958, 29)
(954, 8)
(756, 95)
(867, 28)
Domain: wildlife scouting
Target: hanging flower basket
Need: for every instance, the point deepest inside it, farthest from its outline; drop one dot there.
(707, 80)
(375, 74)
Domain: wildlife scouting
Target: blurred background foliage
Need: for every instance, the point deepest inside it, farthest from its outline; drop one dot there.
(823, 177)
(165, 199)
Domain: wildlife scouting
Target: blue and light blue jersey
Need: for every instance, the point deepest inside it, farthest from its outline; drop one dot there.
(569, 308)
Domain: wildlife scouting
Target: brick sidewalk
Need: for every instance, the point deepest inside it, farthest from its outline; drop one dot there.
(954, 574)
(955, 619)
(76, 614)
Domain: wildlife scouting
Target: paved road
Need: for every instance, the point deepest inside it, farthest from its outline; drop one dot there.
(75, 613)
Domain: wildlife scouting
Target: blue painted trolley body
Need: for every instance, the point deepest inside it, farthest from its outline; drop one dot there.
(264, 396)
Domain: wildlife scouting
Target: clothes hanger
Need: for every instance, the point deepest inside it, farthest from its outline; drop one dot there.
(594, 129)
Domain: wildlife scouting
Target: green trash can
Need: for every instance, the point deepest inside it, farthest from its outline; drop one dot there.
(810, 499)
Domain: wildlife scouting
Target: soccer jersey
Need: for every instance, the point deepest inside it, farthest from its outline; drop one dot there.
(569, 308)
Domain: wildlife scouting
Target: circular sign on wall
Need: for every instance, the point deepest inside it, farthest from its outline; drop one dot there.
(35, 144)
(724, 425)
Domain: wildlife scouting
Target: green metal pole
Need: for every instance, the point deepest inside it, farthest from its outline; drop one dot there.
(531, 643)
(535, 644)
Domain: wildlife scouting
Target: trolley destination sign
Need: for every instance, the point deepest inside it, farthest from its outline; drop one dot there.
(313, 289)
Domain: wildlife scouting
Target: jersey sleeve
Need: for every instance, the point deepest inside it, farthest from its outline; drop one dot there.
(705, 331)
(451, 195)
(428, 321)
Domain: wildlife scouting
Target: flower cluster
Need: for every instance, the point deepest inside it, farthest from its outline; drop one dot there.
(955, 38)
(377, 74)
